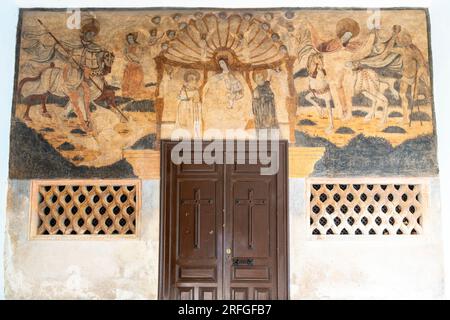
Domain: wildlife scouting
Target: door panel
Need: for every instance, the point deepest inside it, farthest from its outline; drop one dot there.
(239, 294)
(261, 294)
(197, 223)
(207, 293)
(201, 273)
(185, 293)
(193, 215)
(224, 230)
(250, 273)
(251, 217)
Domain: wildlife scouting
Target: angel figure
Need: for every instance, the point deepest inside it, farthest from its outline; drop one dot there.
(133, 75)
(342, 47)
(354, 65)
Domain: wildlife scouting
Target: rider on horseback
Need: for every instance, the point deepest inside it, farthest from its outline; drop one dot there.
(84, 58)
(80, 77)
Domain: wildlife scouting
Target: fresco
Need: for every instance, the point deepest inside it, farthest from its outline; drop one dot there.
(96, 90)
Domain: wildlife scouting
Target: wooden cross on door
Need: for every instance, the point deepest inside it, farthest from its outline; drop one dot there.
(197, 201)
(251, 202)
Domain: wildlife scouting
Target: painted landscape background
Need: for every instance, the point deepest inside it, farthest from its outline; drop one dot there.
(94, 98)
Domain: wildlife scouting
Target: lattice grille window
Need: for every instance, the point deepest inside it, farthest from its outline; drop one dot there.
(365, 209)
(85, 208)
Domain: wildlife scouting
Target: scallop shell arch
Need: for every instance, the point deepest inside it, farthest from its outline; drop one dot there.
(247, 41)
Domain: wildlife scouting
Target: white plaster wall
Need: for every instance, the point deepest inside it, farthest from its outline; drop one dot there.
(365, 267)
(330, 268)
(78, 269)
(400, 269)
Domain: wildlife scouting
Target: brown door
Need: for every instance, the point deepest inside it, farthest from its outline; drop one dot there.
(224, 230)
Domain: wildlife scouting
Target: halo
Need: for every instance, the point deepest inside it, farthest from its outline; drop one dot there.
(404, 38)
(191, 73)
(263, 72)
(347, 25)
(135, 35)
(225, 55)
(90, 24)
(208, 39)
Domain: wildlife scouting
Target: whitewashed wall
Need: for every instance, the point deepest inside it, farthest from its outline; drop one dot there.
(77, 269)
(365, 267)
(343, 267)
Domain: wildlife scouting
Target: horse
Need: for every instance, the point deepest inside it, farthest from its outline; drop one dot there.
(69, 82)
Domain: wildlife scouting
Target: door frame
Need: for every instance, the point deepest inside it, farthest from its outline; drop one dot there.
(283, 274)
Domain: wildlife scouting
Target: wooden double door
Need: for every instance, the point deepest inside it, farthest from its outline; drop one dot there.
(223, 230)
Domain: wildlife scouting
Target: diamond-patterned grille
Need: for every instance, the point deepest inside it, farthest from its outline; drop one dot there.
(92, 208)
(365, 209)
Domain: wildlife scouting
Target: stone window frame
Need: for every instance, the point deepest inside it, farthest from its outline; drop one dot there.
(34, 218)
(424, 183)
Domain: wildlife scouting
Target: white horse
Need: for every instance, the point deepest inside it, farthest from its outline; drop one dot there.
(319, 88)
(70, 82)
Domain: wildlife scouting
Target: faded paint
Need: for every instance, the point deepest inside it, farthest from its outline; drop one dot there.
(67, 269)
(366, 267)
(301, 68)
(337, 267)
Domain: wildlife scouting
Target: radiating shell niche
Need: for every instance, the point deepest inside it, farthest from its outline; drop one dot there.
(244, 41)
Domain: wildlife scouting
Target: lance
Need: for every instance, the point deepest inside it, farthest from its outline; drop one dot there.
(77, 63)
